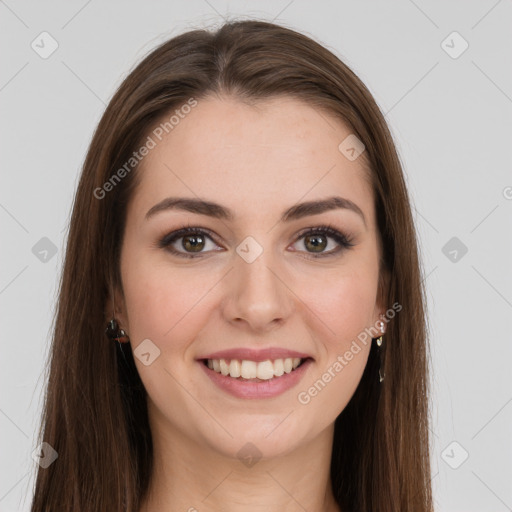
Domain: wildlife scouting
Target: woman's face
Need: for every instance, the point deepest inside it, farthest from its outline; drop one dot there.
(249, 280)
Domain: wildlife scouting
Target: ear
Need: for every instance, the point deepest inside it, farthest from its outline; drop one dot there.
(381, 305)
(115, 307)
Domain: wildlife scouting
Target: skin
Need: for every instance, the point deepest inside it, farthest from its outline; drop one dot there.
(257, 161)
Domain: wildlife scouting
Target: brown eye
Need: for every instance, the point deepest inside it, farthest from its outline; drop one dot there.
(318, 239)
(188, 242)
(194, 243)
(317, 243)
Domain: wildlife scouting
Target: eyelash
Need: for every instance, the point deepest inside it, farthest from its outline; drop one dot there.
(343, 240)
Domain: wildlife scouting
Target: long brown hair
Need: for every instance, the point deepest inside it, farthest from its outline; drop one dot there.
(95, 413)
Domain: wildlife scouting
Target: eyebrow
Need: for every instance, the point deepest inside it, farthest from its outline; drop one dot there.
(215, 210)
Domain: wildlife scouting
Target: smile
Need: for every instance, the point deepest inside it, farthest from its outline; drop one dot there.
(246, 369)
(251, 379)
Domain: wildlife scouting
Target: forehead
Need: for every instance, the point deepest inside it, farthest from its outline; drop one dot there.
(253, 159)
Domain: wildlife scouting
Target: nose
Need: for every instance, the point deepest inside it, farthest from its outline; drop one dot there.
(258, 295)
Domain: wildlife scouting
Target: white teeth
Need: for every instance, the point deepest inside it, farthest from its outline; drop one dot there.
(235, 369)
(279, 367)
(224, 367)
(264, 370)
(249, 369)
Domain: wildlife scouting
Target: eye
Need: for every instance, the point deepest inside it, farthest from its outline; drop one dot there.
(191, 240)
(316, 239)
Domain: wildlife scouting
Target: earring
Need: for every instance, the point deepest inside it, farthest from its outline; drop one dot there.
(115, 333)
(379, 344)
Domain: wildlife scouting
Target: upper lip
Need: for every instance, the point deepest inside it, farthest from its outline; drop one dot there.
(256, 355)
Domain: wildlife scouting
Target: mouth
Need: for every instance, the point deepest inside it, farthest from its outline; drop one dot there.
(249, 373)
(255, 371)
(277, 376)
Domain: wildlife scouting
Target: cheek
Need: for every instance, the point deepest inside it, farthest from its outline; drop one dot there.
(341, 310)
(161, 301)
(344, 304)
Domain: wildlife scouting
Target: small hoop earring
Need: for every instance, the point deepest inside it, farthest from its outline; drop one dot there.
(115, 333)
(379, 342)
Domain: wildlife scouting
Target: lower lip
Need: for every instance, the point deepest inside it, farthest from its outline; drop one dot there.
(266, 389)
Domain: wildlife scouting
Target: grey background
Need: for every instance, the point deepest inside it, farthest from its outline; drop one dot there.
(451, 119)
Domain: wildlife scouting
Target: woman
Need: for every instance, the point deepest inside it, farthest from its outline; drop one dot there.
(243, 236)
